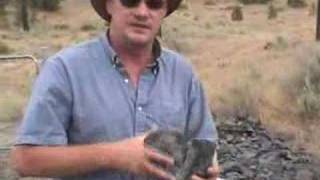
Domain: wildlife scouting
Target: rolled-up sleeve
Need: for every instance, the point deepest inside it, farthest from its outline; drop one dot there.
(201, 123)
(49, 110)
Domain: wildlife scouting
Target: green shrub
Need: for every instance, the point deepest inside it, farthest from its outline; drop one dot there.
(4, 49)
(237, 14)
(297, 3)
(61, 27)
(209, 2)
(2, 10)
(309, 97)
(3, 4)
(48, 5)
(244, 95)
(272, 12)
(184, 5)
(255, 1)
(88, 27)
(312, 9)
(3, 13)
(280, 43)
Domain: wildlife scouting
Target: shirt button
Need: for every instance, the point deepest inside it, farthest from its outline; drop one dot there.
(126, 81)
(139, 108)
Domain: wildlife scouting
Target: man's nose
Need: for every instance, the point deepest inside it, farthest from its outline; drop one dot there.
(142, 9)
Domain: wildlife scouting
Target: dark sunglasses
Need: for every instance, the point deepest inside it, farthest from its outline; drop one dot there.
(151, 4)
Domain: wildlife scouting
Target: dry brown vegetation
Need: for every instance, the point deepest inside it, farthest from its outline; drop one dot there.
(260, 67)
(251, 67)
(4, 49)
(15, 83)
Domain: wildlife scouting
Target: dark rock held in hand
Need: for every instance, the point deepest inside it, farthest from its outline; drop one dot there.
(194, 156)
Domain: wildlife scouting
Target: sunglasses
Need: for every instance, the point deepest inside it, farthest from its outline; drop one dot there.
(151, 4)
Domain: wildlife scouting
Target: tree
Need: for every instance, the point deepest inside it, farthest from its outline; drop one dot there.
(3, 13)
(25, 15)
(47, 5)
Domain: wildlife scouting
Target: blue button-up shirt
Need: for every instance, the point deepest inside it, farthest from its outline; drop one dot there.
(82, 97)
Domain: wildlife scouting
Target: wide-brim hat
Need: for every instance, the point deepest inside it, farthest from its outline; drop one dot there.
(100, 7)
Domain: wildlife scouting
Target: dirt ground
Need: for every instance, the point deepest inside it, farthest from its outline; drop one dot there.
(253, 57)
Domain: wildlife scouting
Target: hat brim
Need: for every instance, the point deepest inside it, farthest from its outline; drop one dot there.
(100, 8)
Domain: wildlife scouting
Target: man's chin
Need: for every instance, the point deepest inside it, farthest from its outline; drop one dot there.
(139, 40)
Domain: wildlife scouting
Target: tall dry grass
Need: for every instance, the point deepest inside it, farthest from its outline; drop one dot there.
(15, 83)
(304, 85)
(4, 48)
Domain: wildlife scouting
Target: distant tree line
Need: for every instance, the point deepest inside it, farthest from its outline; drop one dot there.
(24, 7)
(3, 4)
(254, 1)
(291, 3)
(48, 5)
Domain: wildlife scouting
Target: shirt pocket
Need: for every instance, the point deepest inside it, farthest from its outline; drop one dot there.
(86, 129)
(169, 115)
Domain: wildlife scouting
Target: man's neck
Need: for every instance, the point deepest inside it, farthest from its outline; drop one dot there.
(135, 58)
(133, 54)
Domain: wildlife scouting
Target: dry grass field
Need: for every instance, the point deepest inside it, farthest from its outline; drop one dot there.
(254, 67)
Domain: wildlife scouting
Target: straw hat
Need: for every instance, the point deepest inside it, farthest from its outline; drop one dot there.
(100, 7)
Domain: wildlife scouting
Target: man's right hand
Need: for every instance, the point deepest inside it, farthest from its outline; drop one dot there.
(132, 155)
(59, 161)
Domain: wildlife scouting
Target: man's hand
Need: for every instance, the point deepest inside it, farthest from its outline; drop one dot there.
(133, 156)
(213, 173)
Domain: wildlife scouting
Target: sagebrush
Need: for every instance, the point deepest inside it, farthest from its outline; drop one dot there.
(254, 1)
(48, 5)
(309, 97)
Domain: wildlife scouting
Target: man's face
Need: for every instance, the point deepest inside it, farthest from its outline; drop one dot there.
(136, 21)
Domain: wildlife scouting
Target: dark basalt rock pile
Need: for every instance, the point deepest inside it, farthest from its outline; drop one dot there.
(248, 152)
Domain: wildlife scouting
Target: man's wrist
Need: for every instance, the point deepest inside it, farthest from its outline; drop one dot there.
(110, 156)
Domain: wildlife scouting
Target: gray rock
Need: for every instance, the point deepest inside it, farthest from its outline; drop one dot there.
(194, 156)
(248, 151)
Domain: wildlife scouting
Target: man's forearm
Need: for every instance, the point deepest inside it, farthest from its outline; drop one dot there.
(64, 161)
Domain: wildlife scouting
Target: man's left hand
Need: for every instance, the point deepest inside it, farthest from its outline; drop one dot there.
(213, 173)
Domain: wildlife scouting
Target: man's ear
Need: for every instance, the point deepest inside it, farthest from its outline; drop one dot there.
(108, 6)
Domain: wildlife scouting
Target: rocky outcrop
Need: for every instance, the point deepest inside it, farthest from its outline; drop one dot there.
(249, 152)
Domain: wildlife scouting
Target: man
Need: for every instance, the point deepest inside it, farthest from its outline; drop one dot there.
(93, 103)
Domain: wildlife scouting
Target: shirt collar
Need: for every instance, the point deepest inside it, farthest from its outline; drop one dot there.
(116, 62)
